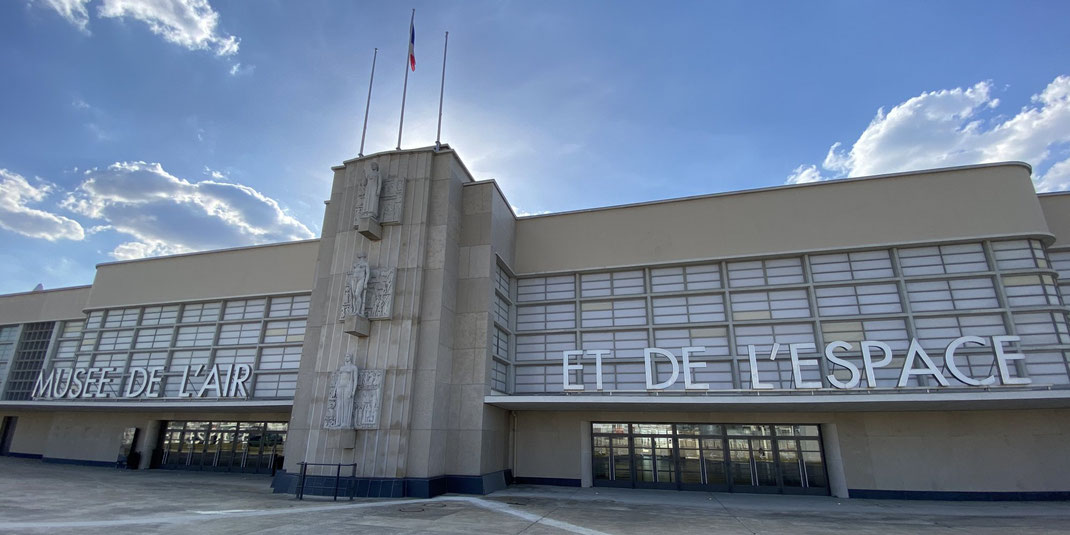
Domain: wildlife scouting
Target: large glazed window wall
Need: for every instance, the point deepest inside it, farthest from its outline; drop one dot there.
(265, 333)
(933, 293)
(761, 458)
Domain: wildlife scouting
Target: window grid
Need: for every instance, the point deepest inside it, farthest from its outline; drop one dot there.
(121, 317)
(615, 283)
(857, 265)
(772, 272)
(173, 336)
(546, 288)
(503, 342)
(161, 315)
(240, 333)
(866, 295)
(246, 309)
(685, 278)
(1060, 262)
(278, 332)
(285, 307)
(27, 360)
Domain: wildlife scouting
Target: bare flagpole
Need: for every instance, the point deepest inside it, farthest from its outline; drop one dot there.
(441, 90)
(367, 105)
(405, 87)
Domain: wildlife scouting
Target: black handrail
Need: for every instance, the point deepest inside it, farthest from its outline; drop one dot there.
(351, 479)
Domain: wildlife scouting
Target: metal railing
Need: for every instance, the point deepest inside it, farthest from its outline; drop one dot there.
(324, 482)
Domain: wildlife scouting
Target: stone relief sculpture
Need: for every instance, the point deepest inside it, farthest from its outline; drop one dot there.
(381, 294)
(373, 183)
(369, 399)
(356, 288)
(342, 395)
(385, 203)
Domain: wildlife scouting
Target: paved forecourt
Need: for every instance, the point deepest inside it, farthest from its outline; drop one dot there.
(37, 497)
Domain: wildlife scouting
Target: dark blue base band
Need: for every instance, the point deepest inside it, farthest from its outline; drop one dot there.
(555, 481)
(23, 455)
(413, 487)
(79, 462)
(871, 494)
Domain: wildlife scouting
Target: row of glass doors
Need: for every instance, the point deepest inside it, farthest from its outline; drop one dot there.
(251, 447)
(761, 458)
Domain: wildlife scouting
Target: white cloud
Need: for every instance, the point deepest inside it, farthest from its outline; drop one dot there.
(949, 127)
(74, 11)
(805, 174)
(15, 193)
(132, 250)
(520, 212)
(192, 24)
(238, 69)
(165, 214)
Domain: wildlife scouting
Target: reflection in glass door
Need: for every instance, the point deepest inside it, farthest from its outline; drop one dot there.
(753, 465)
(654, 456)
(252, 447)
(733, 457)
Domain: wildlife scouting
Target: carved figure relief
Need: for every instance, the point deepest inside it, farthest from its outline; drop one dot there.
(373, 183)
(369, 399)
(381, 294)
(385, 204)
(356, 288)
(342, 395)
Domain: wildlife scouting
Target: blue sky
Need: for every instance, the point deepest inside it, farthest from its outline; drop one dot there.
(147, 127)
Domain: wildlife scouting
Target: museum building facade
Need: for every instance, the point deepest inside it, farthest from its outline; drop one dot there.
(895, 336)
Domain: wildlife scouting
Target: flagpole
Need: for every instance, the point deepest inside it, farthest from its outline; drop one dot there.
(405, 86)
(367, 105)
(441, 90)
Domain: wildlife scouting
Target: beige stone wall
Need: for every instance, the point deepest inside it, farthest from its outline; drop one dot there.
(975, 451)
(477, 433)
(31, 431)
(994, 451)
(415, 347)
(1056, 208)
(49, 305)
(96, 435)
(991, 200)
(265, 269)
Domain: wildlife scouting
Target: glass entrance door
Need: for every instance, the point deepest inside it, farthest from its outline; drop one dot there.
(759, 458)
(753, 465)
(251, 447)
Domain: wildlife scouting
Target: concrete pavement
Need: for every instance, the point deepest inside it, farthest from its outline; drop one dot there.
(36, 497)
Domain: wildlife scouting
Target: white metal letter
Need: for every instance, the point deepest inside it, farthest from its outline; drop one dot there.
(77, 387)
(104, 381)
(867, 360)
(60, 393)
(568, 367)
(688, 366)
(185, 380)
(1002, 358)
(154, 380)
(243, 374)
(796, 366)
(134, 375)
(651, 373)
(949, 359)
(43, 387)
(830, 355)
(598, 354)
(908, 365)
(89, 381)
(755, 382)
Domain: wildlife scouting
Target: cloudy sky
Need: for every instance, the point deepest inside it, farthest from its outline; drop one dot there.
(135, 128)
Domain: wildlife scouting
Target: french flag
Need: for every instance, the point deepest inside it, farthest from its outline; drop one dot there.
(412, 45)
